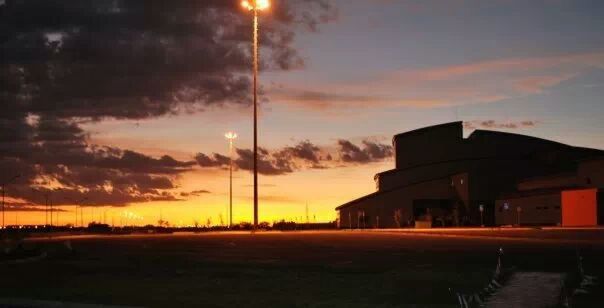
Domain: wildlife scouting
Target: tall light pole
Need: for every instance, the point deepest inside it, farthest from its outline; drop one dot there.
(230, 137)
(255, 6)
(14, 178)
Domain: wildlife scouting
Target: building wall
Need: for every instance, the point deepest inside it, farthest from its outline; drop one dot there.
(555, 181)
(428, 145)
(535, 210)
(385, 204)
(591, 173)
(579, 208)
(396, 178)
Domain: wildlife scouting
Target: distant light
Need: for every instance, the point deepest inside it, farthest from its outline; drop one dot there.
(230, 135)
(262, 4)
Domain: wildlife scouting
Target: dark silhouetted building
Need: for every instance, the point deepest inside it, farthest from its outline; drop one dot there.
(493, 178)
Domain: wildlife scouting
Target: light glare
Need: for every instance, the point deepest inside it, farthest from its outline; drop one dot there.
(230, 135)
(258, 4)
(262, 4)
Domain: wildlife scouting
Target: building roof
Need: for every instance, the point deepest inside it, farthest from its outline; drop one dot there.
(495, 133)
(452, 125)
(350, 203)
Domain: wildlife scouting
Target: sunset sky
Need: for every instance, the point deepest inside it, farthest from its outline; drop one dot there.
(127, 102)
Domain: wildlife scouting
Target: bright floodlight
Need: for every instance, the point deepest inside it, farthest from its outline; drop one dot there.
(230, 135)
(257, 4)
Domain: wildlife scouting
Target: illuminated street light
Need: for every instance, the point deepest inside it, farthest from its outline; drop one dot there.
(255, 6)
(259, 5)
(230, 137)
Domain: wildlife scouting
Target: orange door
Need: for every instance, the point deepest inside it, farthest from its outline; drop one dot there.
(579, 208)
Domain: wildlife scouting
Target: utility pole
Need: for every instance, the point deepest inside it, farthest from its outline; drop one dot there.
(14, 178)
(51, 209)
(307, 217)
(46, 202)
(3, 226)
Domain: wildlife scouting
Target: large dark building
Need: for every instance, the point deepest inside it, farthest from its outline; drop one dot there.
(493, 178)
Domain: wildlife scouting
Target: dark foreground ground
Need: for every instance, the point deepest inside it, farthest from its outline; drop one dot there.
(297, 269)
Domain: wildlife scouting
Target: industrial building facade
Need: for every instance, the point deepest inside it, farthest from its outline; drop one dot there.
(489, 178)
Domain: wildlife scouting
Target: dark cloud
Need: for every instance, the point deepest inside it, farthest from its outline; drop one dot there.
(216, 160)
(139, 58)
(304, 155)
(370, 151)
(352, 153)
(27, 208)
(195, 193)
(492, 124)
(377, 151)
(267, 164)
(278, 162)
(49, 150)
(304, 150)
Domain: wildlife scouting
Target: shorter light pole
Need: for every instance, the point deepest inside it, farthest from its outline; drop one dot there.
(506, 208)
(230, 137)
(46, 196)
(77, 203)
(481, 208)
(350, 221)
(51, 209)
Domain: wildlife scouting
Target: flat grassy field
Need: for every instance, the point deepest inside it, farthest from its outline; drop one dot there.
(294, 269)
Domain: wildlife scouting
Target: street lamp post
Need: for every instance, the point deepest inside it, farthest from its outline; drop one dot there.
(77, 203)
(255, 6)
(231, 137)
(51, 210)
(3, 194)
(46, 195)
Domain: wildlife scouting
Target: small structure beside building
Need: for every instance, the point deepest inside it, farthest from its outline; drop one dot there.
(490, 178)
(570, 200)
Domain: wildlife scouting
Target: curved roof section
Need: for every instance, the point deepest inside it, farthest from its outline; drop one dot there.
(497, 134)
